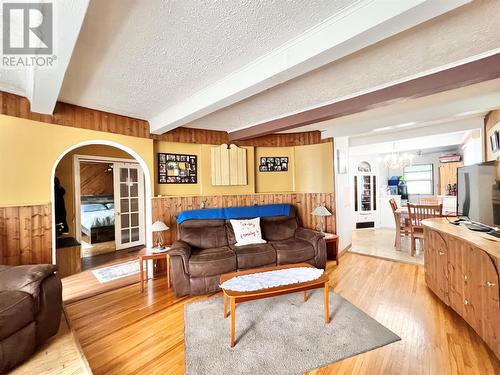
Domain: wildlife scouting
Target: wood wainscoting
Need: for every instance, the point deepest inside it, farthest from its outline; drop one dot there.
(25, 235)
(166, 208)
(86, 118)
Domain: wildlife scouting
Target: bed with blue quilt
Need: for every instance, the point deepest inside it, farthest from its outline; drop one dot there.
(97, 218)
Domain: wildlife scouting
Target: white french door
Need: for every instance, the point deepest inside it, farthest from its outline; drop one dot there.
(129, 205)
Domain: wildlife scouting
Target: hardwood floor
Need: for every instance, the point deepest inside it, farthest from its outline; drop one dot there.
(379, 243)
(110, 257)
(125, 332)
(85, 284)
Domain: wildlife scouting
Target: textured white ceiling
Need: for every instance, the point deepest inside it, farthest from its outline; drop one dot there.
(137, 57)
(457, 35)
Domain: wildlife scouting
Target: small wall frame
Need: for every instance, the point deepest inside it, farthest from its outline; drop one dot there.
(273, 164)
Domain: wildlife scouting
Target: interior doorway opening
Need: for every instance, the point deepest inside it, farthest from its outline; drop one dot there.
(101, 216)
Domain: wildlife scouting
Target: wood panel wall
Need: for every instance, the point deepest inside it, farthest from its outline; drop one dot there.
(86, 118)
(491, 124)
(283, 140)
(25, 235)
(166, 208)
(95, 180)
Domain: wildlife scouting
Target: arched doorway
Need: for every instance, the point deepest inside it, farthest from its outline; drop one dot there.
(135, 167)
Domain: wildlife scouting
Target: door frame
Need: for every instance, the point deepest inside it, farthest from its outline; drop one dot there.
(77, 159)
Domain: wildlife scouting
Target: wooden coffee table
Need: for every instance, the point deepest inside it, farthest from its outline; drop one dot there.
(238, 297)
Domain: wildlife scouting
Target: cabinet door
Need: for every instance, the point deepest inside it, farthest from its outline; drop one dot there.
(436, 263)
(482, 307)
(457, 274)
(430, 260)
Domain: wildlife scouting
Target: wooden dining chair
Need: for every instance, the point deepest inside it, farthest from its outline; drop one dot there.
(417, 213)
(432, 201)
(403, 224)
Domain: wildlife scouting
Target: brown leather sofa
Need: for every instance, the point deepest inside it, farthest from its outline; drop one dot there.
(206, 250)
(30, 311)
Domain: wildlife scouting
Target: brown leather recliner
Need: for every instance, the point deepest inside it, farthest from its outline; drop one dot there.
(206, 249)
(30, 311)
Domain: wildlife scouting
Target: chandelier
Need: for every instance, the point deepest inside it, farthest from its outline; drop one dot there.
(397, 161)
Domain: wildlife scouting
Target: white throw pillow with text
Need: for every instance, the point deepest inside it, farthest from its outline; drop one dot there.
(247, 231)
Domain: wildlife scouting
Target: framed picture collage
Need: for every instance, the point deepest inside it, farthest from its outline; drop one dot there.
(177, 168)
(273, 164)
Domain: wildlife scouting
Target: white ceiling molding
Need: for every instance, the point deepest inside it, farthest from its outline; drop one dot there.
(422, 143)
(448, 127)
(44, 84)
(360, 25)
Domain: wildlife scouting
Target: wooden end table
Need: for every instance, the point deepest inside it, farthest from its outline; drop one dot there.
(332, 246)
(147, 254)
(238, 297)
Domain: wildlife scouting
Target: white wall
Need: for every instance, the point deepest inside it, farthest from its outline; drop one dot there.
(473, 148)
(343, 197)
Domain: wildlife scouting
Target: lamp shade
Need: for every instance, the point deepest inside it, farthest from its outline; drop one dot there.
(321, 211)
(159, 226)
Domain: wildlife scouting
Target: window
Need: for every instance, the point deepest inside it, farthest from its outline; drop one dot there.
(420, 179)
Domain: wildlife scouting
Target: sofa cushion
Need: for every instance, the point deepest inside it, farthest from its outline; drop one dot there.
(256, 255)
(16, 311)
(203, 234)
(293, 250)
(209, 262)
(278, 228)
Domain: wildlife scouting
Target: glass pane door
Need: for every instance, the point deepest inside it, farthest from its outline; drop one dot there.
(129, 196)
(366, 193)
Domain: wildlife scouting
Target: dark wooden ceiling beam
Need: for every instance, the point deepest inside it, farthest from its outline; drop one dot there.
(484, 69)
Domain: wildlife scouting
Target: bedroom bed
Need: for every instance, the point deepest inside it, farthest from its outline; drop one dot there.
(98, 218)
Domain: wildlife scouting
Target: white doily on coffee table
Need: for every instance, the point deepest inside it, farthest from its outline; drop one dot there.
(271, 279)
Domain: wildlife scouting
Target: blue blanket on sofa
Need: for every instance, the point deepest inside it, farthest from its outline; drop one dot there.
(235, 212)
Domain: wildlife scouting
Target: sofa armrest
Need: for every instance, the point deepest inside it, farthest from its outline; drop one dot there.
(309, 235)
(182, 249)
(26, 278)
(316, 239)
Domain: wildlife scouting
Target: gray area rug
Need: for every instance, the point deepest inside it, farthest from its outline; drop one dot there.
(280, 335)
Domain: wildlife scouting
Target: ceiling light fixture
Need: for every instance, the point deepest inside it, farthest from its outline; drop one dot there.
(406, 124)
(383, 129)
(394, 160)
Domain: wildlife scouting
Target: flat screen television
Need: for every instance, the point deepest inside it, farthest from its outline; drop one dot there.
(478, 193)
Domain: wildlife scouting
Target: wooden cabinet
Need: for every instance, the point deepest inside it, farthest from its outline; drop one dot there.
(448, 175)
(457, 275)
(481, 299)
(465, 276)
(436, 264)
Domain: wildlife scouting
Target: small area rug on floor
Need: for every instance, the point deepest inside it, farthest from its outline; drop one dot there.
(116, 271)
(280, 335)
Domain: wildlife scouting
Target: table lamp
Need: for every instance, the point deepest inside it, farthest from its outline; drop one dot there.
(321, 211)
(158, 227)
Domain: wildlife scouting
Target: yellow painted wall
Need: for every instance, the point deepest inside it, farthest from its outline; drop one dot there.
(64, 172)
(206, 177)
(274, 182)
(29, 150)
(177, 148)
(314, 168)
